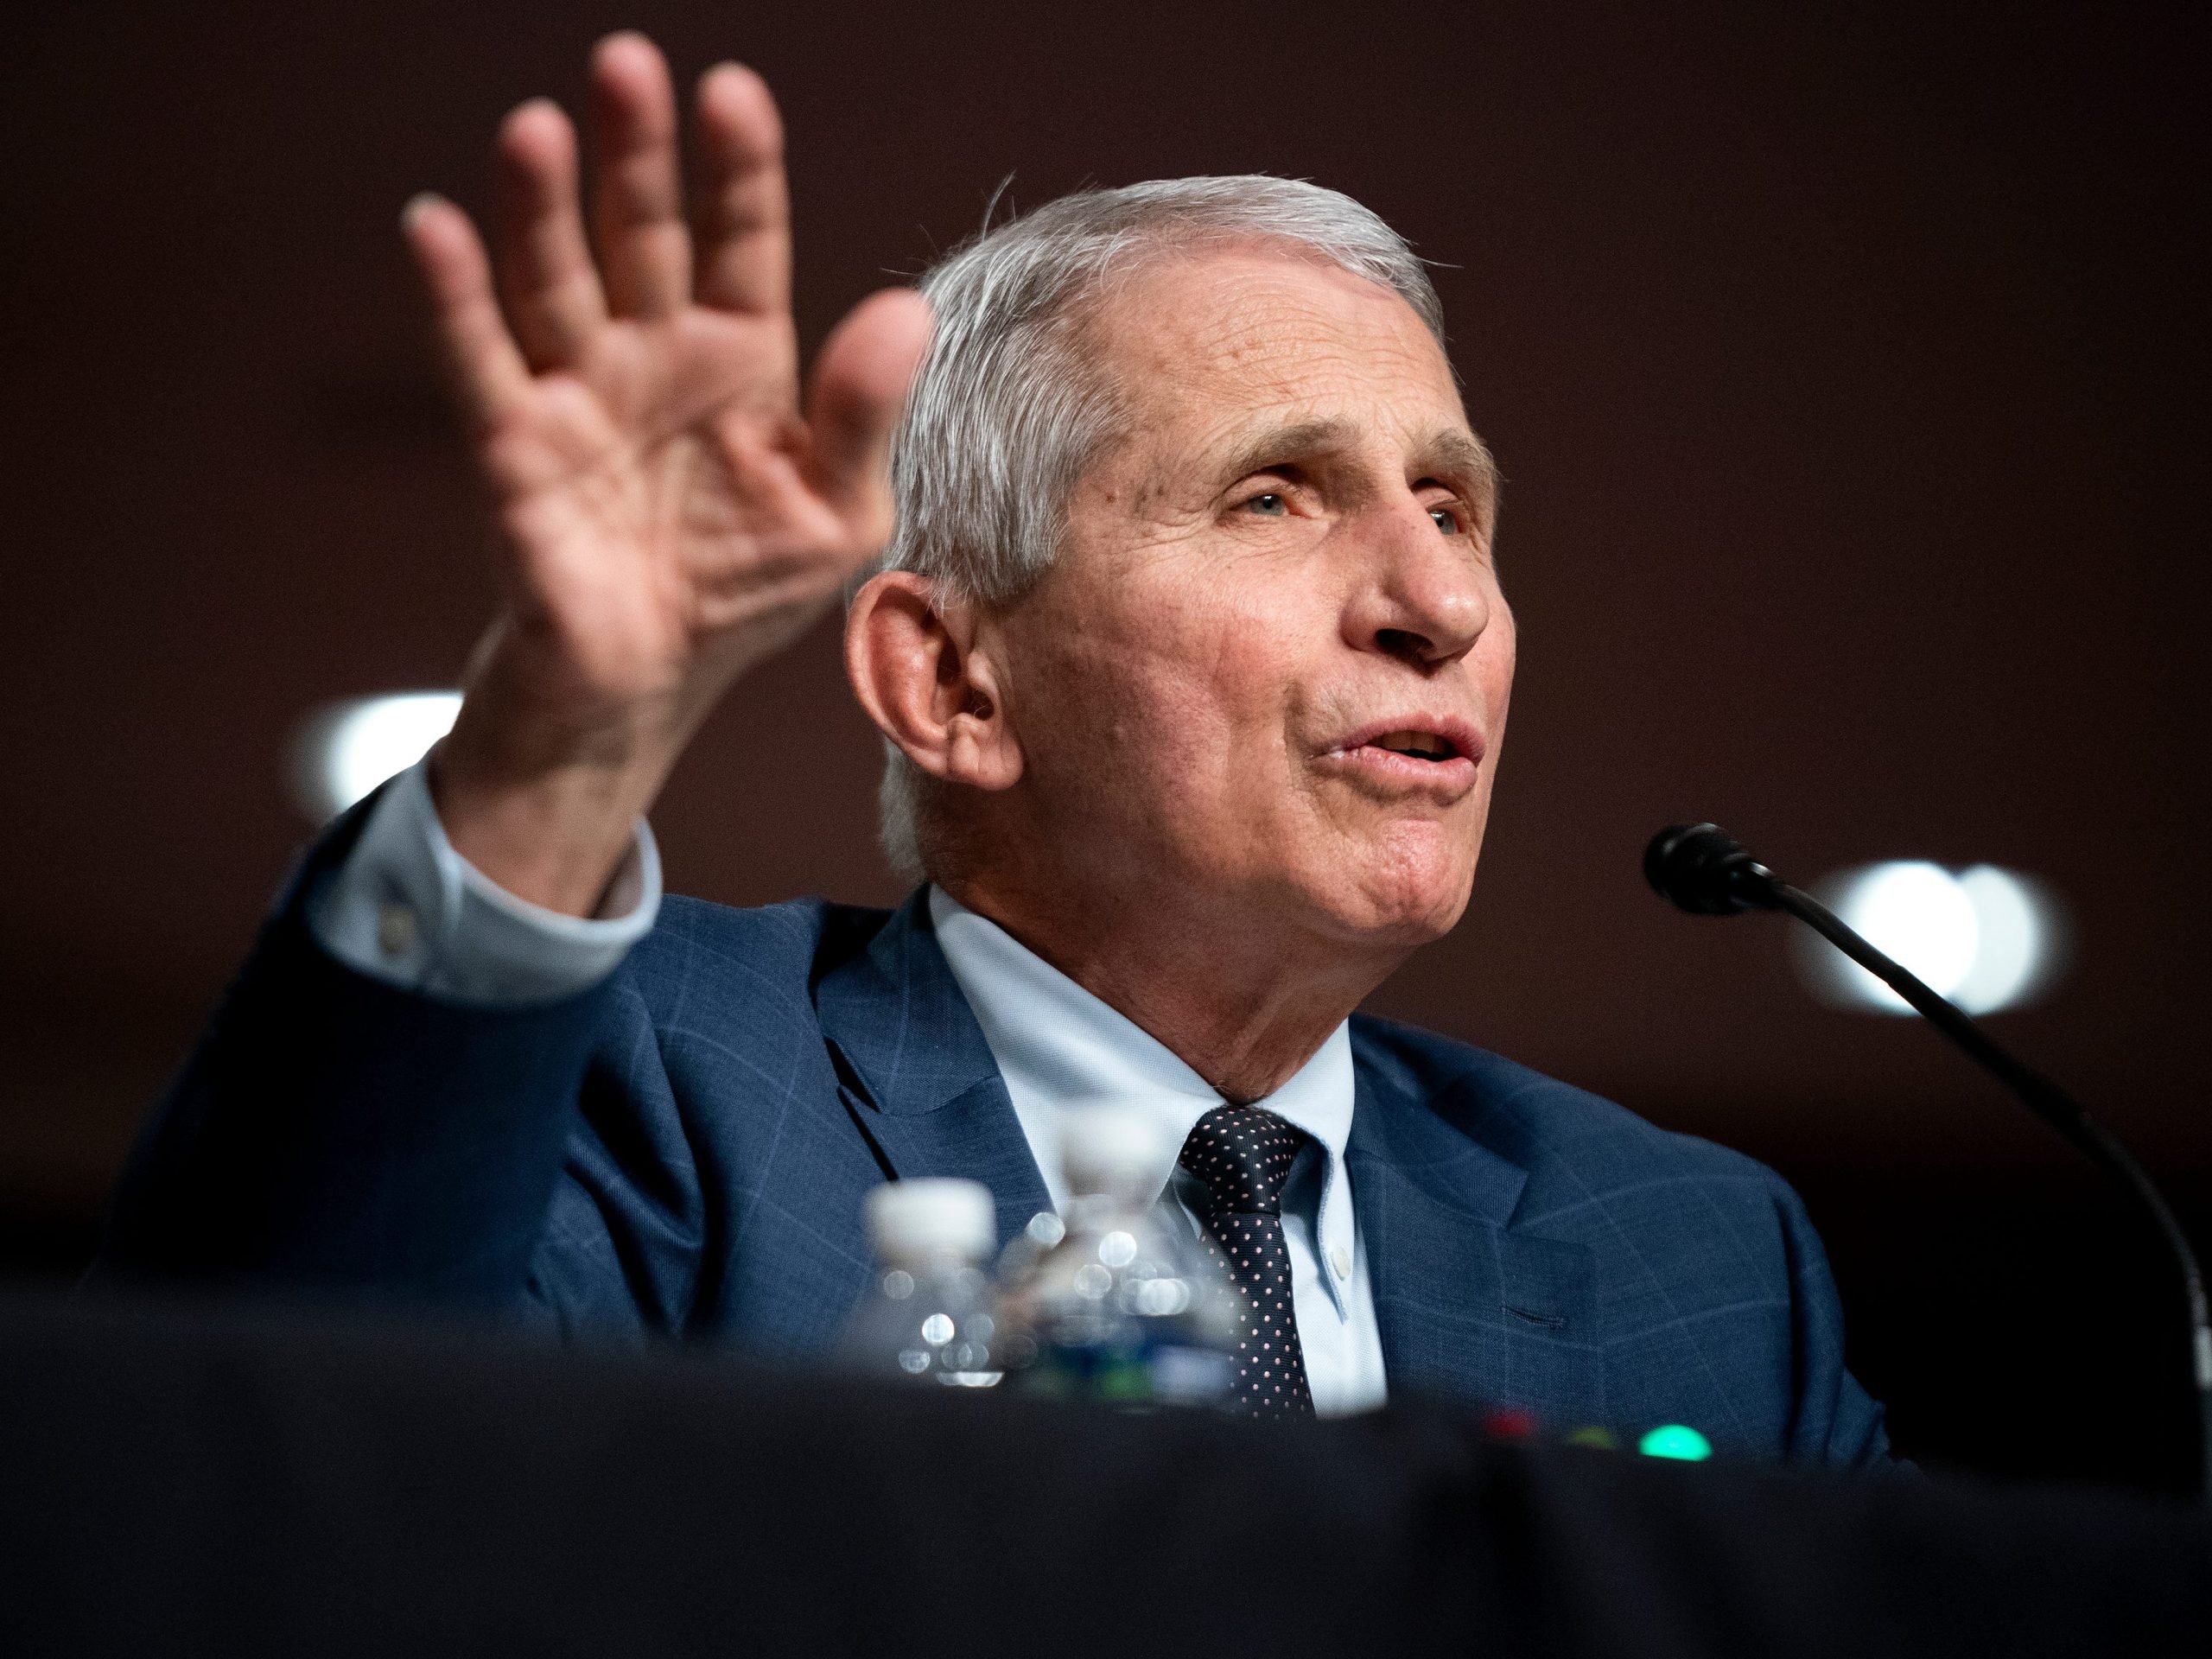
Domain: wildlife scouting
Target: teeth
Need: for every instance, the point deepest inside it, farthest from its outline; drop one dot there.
(1414, 743)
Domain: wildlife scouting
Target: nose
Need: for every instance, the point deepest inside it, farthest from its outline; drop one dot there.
(1424, 597)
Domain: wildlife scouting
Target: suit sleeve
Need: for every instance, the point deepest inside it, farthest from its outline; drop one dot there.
(336, 1132)
(1834, 1420)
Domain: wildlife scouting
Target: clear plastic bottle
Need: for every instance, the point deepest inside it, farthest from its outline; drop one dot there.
(1108, 1303)
(930, 1314)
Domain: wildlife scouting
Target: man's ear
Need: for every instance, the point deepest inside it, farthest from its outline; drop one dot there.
(921, 664)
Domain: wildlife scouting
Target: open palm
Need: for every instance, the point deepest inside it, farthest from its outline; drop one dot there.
(669, 512)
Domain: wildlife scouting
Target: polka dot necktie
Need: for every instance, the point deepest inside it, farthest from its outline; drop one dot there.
(1241, 1155)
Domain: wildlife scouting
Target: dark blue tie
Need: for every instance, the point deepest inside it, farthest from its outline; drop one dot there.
(1241, 1155)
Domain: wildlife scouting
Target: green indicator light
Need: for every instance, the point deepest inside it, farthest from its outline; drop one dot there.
(1593, 1437)
(1676, 1441)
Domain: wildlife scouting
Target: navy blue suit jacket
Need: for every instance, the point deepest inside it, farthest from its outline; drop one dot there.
(684, 1149)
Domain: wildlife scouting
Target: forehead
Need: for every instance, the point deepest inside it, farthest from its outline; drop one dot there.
(1203, 344)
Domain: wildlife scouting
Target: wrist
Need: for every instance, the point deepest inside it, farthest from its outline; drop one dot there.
(544, 800)
(554, 837)
(543, 779)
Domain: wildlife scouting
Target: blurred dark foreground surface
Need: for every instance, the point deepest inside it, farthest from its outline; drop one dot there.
(188, 1479)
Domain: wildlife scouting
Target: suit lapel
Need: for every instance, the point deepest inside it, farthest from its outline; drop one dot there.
(915, 1073)
(1467, 1305)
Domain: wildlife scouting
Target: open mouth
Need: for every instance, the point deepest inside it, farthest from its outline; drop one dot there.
(1434, 752)
(1432, 747)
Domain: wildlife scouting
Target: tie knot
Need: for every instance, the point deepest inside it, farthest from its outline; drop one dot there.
(1243, 1156)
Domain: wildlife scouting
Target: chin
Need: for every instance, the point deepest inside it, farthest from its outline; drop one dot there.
(1395, 901)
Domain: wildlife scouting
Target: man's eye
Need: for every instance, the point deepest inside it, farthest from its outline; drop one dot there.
(1270, 503)
(1446, 519)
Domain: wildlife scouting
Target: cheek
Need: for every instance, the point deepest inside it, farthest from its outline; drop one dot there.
(1221, 688)
(1175, 706)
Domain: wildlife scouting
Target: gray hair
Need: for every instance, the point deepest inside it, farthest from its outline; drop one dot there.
(1007, 409)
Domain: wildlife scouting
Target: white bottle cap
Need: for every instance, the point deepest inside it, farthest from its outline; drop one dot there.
(1111, 1149)
(913, 1221)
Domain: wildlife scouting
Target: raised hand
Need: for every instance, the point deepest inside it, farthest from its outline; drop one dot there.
(668, 514)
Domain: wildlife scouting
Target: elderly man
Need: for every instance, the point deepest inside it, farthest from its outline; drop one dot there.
(1185, 637)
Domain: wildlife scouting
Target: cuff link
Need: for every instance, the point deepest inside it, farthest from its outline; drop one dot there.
(396, 928)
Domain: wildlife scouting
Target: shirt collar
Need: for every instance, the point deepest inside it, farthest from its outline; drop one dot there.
(1059, 1047)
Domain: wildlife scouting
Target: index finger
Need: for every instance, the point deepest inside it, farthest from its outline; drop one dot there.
(743, 214)
(485, 365)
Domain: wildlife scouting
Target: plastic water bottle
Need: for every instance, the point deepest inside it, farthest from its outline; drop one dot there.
(1107, 1302)
(930, 1314)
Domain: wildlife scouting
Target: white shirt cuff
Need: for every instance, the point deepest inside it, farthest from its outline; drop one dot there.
(407, 909)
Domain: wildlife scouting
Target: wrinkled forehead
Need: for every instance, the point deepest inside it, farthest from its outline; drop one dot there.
(1217, 359)
(1267, 334)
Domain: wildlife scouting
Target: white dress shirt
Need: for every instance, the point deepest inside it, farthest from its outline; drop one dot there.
(1061, 1051)
(406, 908)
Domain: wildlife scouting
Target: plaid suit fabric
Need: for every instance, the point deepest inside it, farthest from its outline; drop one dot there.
(684, 1150)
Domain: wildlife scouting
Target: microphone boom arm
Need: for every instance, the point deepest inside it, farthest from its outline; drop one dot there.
(1704, 871)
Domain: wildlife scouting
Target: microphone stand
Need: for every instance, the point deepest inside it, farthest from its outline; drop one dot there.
(1701, 868)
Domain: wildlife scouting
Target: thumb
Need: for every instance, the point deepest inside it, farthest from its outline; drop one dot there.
(858, 392)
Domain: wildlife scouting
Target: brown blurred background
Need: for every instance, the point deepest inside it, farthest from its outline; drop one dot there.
(1847, 365)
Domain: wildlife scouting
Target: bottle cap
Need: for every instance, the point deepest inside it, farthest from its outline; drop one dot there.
(1114, 1150)
(913, 1221)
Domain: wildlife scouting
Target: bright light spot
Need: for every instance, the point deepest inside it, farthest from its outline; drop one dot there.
(1986, 938)
(1676, 1441)
(1160, 1298)
(2018, 940)
(345, 749)
(1919, 914)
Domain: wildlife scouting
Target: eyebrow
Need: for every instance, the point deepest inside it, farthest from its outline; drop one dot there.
(1455, 458)
(1464, 461)
(1282, 443)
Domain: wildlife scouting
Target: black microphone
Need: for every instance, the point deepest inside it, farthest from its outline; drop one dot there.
(1707, 871)
(1703, 868)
